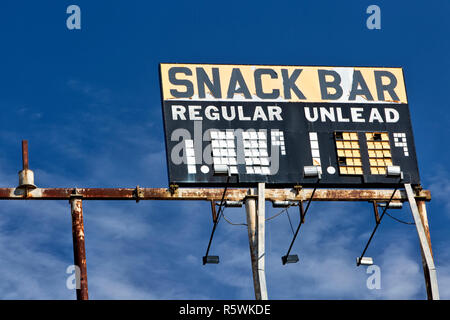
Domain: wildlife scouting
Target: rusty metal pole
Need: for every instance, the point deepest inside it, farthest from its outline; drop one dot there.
(79, 251)
(423, 216)
(255, 209)
(250, 208)
(25, 154)
(421, 221)
(261, 225)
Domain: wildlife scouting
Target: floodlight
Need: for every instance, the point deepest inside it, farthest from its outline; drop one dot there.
(311, 171)
(293, 258)
(365, 261)
(210, 260)
(392, 205)
(394, 171)
(233, 204)
(282, 204)
(221, 170)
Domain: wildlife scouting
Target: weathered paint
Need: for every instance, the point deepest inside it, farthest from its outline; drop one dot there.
(79, 250)
(209, 194)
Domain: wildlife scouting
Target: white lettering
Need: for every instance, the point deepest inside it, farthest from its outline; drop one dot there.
(391, 115)
(340, 117)
(194, 113)
(241, 114)
(259, 113)
(308, 115)
(274, 112)
(178, 111)
(324, 113)
(375, 115)
(212, 116)
(356, 114)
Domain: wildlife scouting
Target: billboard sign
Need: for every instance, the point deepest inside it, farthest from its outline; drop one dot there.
(274, 124)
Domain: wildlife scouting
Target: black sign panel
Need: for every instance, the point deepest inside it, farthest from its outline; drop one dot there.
(314, 136)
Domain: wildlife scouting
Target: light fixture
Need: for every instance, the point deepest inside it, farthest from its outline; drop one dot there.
(233, 204)
(293, 258)
(210, 260)
(221, 170)
(394, 171)
(392, 205)
(282, 204)
(365, 261)
(312, 171)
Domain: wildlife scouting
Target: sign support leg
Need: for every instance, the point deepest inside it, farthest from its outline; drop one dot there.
(255, 209)
(419, 213)
(79, 252)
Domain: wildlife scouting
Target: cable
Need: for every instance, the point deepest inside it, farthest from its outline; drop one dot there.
(219, 214)
(401, 221)
(292, 228)
(376, 226)
(276, 215)
(300, 224)
(232, 223)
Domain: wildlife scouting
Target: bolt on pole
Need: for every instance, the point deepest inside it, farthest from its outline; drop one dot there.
(79, 251)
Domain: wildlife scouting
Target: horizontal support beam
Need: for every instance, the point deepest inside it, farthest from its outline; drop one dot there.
(209, 194)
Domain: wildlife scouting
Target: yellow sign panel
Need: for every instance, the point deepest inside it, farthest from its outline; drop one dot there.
(214, 82)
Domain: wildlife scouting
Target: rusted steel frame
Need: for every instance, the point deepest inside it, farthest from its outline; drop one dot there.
(209, 194)
(79, 251)
(426, 271)
(302, 212)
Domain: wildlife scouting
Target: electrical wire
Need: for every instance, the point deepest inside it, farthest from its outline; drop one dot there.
(279, 213)
(401, 221)
(290, 223)
(267, 219)
(232, 223)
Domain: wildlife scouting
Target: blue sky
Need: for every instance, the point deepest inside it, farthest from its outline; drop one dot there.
(88, 101)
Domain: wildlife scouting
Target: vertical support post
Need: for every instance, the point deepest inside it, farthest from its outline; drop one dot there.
(302, 212)
(25, 164)
(261, 222)
(420, 218)
(255, 209)
(213, 211)
(424, 218)
(375, 211)
(79, 251)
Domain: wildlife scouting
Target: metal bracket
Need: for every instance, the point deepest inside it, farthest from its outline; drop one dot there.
(173, 188)
(213, 211)
(375, 211)
(302, 212)
(251, 196)
(76, 194)
(298, 188)
(138, 193)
